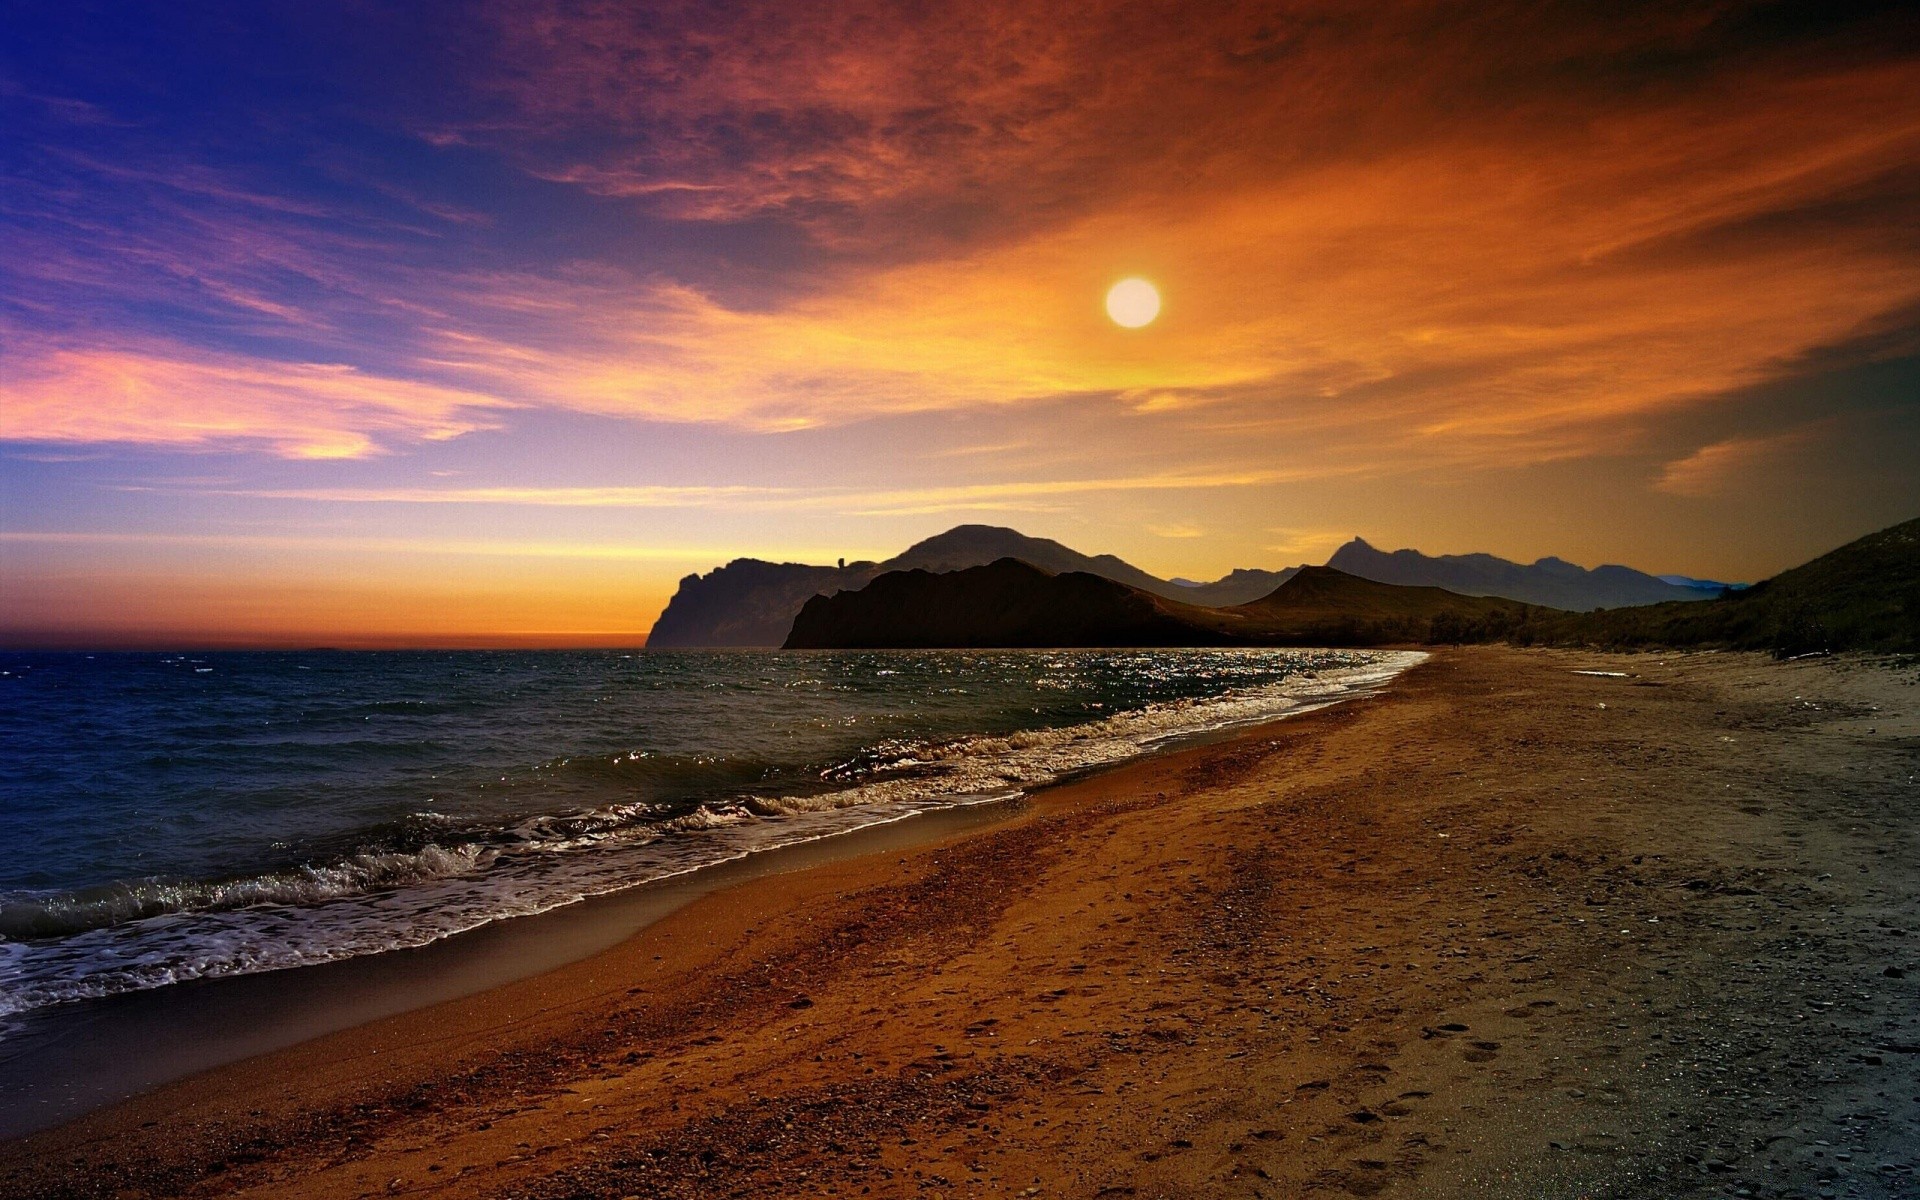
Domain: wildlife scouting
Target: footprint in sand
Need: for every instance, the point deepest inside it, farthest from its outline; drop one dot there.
(1363, 1177)
(1478, 1052)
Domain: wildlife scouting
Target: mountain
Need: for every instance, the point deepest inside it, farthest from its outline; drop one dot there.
(750, 602)
(1239, 587)
(1004, 603)
(1010, 603)
(1863, 596)
(1712, 587)
(1552, 582)
(966, 546)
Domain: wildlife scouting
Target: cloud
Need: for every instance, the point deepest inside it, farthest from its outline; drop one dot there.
(182, 397)
(1417, 241)
(1306, 545)
(653, 496)
(1723, 466)
(883, 129)
(1400, 301)
(1502, 288)
(1014, 494)
(398, 546)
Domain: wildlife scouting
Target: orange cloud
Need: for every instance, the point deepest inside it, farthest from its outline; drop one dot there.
(1715, 469)
(1011, 494)
(1445, 297)
(1425, 239)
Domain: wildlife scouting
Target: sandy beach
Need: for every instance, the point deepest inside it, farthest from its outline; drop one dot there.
(1507, 929)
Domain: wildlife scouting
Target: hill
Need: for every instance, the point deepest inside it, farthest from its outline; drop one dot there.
(1004, 603)
(1327, 606)
(1863, 596)
(1552, 582)
(1009, 603)
(966, 546)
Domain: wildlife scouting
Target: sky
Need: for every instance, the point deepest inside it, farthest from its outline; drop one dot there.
(482, 324)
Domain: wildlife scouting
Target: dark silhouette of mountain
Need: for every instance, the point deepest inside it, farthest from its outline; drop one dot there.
(1010, 603)
(749, 602)
(1552, 582)
(1004, 603)
(1863, 596)
(966, 546)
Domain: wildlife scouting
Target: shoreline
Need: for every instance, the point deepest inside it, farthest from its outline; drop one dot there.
(70, 1060)
(233, 1018)
(1488, 933)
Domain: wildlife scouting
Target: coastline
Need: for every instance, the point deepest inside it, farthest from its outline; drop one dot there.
(1235, 968)
(138, 1041)
(66, 1061)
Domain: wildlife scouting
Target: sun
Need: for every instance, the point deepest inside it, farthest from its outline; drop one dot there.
(1133, 303)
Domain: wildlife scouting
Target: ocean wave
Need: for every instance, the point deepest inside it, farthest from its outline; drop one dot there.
(63, 914)
(433, 876)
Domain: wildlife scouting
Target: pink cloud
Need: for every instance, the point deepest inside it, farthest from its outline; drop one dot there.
(157, 394)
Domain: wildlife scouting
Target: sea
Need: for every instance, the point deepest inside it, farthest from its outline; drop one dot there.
(171, 817)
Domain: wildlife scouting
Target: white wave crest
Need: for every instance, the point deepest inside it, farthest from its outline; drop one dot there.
(142, 935)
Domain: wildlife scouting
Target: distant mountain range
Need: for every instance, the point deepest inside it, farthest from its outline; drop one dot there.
(1552, 582)
(1705, 585)
(750, 602)
(1238, 587)
(1010, 603)
(1863, 596)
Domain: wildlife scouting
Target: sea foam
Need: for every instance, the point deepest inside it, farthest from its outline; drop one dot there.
(58, 947)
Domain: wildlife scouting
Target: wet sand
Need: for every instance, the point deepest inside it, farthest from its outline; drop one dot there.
(1505, 930)
(67, 1061)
